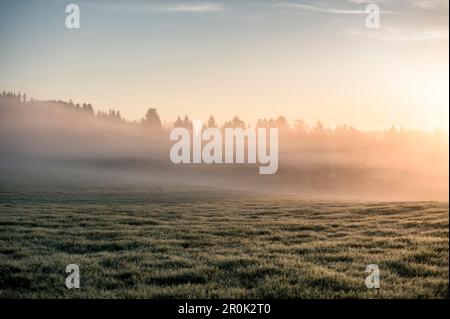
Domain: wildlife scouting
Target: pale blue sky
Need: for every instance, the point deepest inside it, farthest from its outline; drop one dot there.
(303, 59)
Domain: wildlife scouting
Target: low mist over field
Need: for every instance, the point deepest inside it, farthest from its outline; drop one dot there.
(63, 143)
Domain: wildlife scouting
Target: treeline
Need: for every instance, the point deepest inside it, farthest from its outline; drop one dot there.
(152, 120)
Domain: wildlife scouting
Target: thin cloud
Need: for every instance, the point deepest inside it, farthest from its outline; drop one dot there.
(160, 7)
(204, 7)
(429, 4)
(317, 9)
(398, 34)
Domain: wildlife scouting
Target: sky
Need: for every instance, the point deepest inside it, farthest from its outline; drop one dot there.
(309, 60)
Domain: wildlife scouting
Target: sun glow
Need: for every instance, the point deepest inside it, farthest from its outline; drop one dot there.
(433, 94)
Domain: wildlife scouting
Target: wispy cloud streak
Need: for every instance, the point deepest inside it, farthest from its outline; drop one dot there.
(397, 34)
(317, 9)
(429, 4)
(204, 7)
(160, 7)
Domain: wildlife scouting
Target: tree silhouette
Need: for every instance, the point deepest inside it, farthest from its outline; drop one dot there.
(281, 122)
(211, 122)
(88, 108)
(178, 122)
(187, 123)
(152, 118)
(235, 123)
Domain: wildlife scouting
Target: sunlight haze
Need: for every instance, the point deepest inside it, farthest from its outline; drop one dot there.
(301, 59)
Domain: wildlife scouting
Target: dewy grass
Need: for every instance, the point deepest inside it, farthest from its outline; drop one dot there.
(221, 246)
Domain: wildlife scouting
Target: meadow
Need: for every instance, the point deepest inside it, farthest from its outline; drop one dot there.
(167, 243)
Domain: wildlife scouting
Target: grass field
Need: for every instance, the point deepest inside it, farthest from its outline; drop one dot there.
(132, 244)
